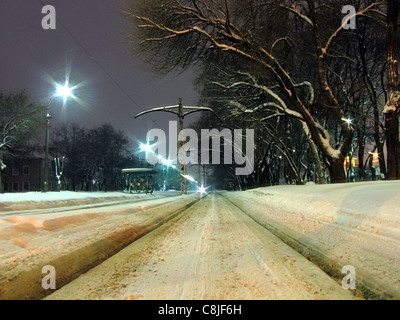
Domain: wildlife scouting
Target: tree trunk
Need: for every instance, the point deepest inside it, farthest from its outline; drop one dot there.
(318, 164)
(361, 151)
(379, 141)
(392, 106)
(1, 169)
(392, 145)
(336, 170)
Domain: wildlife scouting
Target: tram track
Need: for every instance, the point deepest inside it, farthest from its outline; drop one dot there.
(332, 244)
(222, 247)
(74, 241)
(76, 207)
(212, 250)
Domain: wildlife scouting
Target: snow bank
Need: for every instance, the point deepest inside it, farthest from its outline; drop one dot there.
(42, 200)
(337, 225)
(73, 242)
(333, 225)
(51, 196)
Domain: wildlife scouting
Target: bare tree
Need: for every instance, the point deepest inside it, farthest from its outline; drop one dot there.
(19, 120)
(171, 34)
(392, 107)
(96, 154)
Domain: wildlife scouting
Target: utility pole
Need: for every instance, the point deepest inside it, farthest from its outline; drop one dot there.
(46, 152)
(182, 167)
(179, 110)
(65, 92)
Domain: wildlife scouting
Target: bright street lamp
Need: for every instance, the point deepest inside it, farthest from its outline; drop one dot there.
(65, 92)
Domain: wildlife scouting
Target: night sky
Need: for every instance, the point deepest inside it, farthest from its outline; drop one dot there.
(89, 46)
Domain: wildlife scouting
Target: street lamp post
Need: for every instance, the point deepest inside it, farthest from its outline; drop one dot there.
(46, 152)
(63, 91)
(181, 115)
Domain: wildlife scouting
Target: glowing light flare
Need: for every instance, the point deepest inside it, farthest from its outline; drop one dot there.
(167, 162)
(374, 154)
(202, 190)
(146, 148)
(65, 91)
(375, 157)
(349, 121)
(189, 178)
(150, 149)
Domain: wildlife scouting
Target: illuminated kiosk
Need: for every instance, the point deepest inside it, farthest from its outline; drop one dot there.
(139, 179)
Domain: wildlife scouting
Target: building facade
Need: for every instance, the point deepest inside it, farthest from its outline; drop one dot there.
(22, 175)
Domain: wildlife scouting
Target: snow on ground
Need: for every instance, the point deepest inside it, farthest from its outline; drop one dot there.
(41, 200)
(332, 225)
(72, 241)
(364, 198)
(51, 196)
(34, 200)
(213, 251)
(337, 225)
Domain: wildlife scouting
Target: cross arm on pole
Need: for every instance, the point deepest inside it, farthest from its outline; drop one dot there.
(180, 112)
(166, 109)
(197, 109)
(170, 110)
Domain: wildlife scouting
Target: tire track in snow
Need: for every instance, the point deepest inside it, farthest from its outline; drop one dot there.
(213, 250)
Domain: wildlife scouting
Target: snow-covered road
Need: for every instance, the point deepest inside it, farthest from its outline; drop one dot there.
(73, 240)
(212, 251)
(336, 226)
(215, 245)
